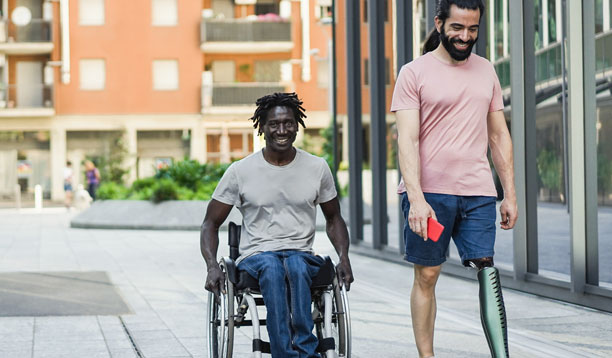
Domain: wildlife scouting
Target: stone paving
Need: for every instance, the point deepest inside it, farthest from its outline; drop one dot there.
(160, 274)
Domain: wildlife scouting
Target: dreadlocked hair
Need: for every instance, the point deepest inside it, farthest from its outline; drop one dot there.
(267, 102)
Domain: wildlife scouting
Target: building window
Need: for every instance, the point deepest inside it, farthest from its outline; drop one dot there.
(91, 12)
(92, 74)
(165, 75)
(164, 13)
(263, 7)
(267, 71)
(366, 72)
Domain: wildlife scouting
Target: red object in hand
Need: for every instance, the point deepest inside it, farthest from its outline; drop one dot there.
(434, 229)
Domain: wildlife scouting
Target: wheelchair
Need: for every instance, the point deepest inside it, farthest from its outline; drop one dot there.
(237, 308)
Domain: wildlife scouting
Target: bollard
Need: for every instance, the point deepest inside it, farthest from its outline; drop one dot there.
(38, 198)
(18, 196)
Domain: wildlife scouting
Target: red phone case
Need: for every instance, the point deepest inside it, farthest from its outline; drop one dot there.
(434, 229)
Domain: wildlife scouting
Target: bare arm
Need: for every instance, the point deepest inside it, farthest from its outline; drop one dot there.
(501, 153)
(408, 129)
(338, 235)
(216, 213)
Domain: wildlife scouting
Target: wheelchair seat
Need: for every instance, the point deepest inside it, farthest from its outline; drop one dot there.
(323, 279)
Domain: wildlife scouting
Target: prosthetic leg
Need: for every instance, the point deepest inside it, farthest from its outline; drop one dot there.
(492, 310)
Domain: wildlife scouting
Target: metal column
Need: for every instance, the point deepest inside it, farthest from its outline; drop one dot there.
(576, 146)
(522, 69)
(404, 21)
(430, 12)
(483, 35)
(590, 141)
(378, 123)
(353, 74)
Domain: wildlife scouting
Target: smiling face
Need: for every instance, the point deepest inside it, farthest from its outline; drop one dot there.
(280, 129)
(459, 32)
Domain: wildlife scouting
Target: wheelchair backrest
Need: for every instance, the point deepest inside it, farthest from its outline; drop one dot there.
(234, 240)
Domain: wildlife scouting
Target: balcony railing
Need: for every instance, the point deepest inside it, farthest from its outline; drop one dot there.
(38, 30)
(26, 96)
(548, 61)
(241, 30)
(237, 94)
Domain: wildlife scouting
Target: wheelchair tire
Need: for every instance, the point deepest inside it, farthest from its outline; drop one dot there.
(221, 323)
(340, 324)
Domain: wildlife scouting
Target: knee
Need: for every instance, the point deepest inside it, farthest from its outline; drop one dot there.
(479, 263)
(270, 267)
(426, 276)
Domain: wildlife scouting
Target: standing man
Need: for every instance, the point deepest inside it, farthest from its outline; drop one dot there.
(448, 107)
(277, 190)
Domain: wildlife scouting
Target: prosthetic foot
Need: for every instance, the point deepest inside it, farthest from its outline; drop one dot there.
(493, 312)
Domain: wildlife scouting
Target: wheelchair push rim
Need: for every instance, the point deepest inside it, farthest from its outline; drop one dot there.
(340, 323)
(221, 323)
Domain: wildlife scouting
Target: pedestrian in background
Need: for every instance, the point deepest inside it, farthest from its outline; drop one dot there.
(68, 173)
(92, 174)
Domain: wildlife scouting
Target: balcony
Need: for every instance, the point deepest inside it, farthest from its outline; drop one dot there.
(236, 97)
(35, 100)
(245, 36)
(32, 39)
(548, 68)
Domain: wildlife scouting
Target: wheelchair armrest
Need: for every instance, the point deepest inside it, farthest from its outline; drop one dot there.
(325, 276)
(230, 269)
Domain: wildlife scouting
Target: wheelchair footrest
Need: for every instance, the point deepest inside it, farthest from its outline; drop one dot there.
(261, 346)
(248, 323)
(326, 344)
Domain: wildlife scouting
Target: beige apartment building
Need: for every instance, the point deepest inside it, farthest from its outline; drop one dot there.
(156, 80)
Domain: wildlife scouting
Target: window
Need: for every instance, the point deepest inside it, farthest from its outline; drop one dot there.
(267, 71)
(165, 75)
(91, 12)
(92, 74)
(366, 72)
(263, 7)
(164, 13)
(323, 73)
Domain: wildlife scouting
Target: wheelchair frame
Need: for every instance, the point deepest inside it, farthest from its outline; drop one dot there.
(330, 313)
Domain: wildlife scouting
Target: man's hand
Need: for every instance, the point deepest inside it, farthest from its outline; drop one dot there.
(418, 214)
(215, 280)
(345, 273)
(509, 213)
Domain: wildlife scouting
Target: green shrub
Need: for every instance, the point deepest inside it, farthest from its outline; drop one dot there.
(164, 189)
(141, 184)
(112, 191)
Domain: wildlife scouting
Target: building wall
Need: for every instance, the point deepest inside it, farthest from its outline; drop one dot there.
(129, 43)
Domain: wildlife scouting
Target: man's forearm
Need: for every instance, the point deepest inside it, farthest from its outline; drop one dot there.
(501, 153)
(338, 235)
(410, 168)
(209, 243)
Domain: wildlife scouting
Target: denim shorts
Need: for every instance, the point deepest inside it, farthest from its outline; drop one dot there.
(469, 220)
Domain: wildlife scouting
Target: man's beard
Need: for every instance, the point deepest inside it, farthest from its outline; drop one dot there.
(456, 54)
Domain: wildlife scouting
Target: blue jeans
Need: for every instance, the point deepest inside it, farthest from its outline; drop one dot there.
(284, 279)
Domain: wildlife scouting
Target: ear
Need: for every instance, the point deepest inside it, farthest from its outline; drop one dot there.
(438, 24)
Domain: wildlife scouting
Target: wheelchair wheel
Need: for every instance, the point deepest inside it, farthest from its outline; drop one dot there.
(340, 323)
(221, 323)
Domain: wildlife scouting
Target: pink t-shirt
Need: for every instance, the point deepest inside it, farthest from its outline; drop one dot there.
(453, 101)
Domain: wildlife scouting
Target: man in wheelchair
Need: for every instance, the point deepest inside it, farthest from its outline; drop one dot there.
(277, 190)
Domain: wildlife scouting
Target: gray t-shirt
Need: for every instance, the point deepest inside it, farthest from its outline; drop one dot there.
(278, 203)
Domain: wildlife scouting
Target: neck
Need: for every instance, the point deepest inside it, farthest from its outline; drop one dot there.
(443, 55)
(279, 158)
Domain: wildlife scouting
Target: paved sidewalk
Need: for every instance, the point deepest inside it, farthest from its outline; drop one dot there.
(160, 274)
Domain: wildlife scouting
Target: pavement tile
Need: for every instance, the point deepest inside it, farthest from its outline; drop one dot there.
(62, 348)
(161, 348)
